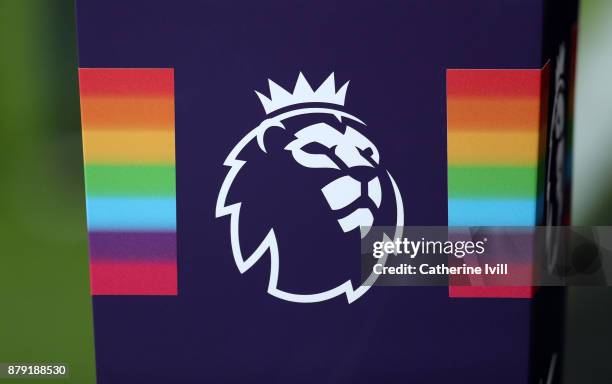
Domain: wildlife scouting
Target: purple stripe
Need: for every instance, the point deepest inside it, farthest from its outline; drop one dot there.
(132, 246)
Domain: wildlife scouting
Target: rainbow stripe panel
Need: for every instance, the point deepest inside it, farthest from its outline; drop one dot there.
(494, 120)
(129, 154)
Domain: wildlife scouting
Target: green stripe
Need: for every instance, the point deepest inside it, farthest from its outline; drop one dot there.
(474, 181)
(130, 180)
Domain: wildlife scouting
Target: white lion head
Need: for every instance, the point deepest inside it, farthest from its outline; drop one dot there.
(354, 194)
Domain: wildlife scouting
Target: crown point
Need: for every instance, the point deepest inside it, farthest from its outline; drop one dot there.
(265, 102)
(341, 94)
(328, 86)
(302, 89)
(278, 93)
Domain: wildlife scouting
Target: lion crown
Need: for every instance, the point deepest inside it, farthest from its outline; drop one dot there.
(303, 93)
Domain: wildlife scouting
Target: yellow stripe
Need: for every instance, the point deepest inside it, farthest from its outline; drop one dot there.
(492, 148)
(128, 147)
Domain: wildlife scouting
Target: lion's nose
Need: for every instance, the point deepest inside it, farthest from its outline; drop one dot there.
(341, 192)
(347, 190)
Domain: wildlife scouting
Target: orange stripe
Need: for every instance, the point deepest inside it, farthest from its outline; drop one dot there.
(131, 147)
(127, 112)
(126, 81)
(493, 83)
(477, 113)
(492, 148)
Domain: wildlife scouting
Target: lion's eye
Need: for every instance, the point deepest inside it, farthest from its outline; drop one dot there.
(367, 153)
(315, 148)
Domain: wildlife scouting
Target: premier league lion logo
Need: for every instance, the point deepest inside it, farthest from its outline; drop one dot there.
(302, 188)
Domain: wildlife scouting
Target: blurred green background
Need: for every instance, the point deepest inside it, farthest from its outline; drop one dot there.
(588, 356)
(45, 306)
(592, 185)
(45, 312)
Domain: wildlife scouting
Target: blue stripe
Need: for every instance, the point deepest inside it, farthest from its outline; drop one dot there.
(491, 212)
(131, 213)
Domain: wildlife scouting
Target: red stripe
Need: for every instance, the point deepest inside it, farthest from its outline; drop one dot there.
(120, 278)
(501, 83)
(126, 82)
(491, 292)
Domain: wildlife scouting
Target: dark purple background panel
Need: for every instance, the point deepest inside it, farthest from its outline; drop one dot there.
(223, 327)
